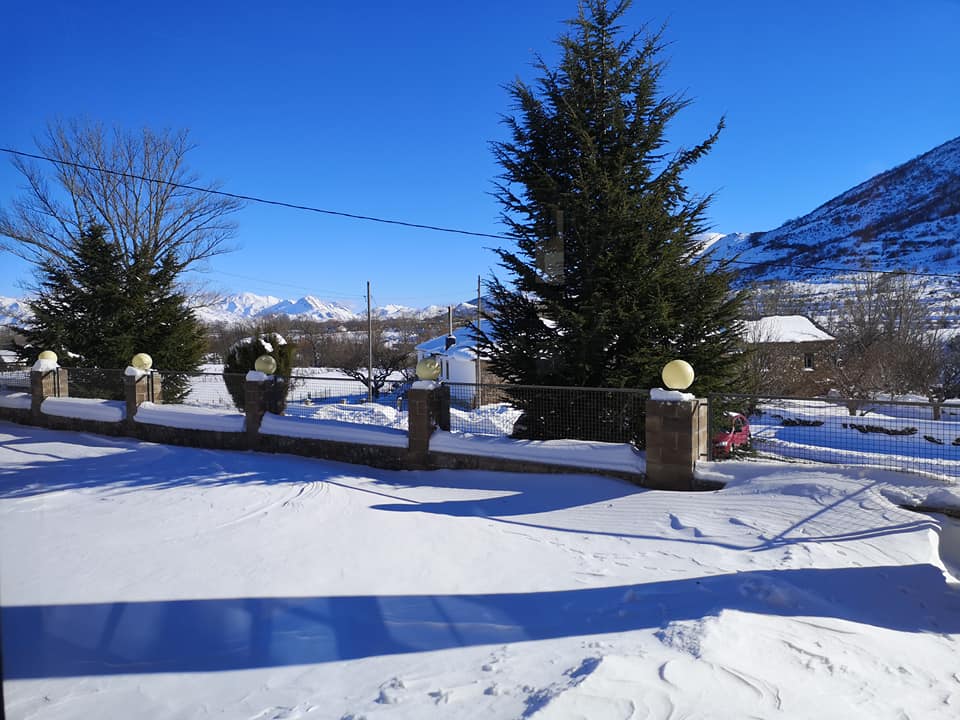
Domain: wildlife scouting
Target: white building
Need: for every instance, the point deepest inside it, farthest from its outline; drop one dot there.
(458, 362)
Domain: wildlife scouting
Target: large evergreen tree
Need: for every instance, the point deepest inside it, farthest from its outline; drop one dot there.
(96, 312)
(606, 281)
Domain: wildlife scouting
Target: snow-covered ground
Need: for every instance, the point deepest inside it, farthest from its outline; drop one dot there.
(147, 581)
(886, 435)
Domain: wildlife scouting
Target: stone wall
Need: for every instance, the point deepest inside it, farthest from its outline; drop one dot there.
(676, 435)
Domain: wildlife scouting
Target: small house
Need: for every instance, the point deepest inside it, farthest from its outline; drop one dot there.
(457, 355)
(789, 355)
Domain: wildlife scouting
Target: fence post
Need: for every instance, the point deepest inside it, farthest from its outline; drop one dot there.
(421, 420)
(139, 387)
(677, 436)
(44, 384)
(257, 392)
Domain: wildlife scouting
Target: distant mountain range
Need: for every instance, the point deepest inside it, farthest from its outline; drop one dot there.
(246, 306)
(238, 308)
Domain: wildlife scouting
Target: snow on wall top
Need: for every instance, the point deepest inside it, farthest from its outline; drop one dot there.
(783, 329)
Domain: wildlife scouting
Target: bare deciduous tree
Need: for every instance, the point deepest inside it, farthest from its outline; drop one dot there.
(885, 339)
(389, 356)
(132, 183)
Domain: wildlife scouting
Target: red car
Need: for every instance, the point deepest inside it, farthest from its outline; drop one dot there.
(735, 434)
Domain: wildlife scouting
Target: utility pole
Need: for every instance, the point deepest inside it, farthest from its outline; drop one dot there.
(369, 347)
(449, 319)
(476, 345)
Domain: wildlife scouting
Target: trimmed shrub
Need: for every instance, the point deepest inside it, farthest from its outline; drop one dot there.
(241, 358)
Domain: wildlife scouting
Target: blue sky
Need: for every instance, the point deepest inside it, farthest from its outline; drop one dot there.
(387, 109)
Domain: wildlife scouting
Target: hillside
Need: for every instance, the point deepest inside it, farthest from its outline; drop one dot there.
(907, 218)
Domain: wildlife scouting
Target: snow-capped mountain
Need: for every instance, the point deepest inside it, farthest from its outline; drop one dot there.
(904, 218)
(245, 306)
(238, 308)
(12, 310)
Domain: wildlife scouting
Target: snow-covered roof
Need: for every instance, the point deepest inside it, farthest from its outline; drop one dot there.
(463, 347)
(783, 329)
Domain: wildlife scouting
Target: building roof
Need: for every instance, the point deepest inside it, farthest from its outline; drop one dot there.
(783, 329)
(463, 347)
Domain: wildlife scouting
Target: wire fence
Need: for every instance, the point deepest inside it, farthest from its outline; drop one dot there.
(308, 397)
(896, 435)
(102, 383)
(207, 390)
(345, 399)
(549, 413)
(15, 381)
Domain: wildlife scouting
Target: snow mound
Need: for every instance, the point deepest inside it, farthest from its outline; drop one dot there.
(187, 417)
(85, 409)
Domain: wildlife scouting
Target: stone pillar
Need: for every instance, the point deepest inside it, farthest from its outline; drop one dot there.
(257, 396)
(421, 423)
(138, 390)
(677, 436)
(44, 384)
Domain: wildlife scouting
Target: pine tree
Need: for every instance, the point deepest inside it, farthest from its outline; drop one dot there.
(96, 312)
(606, 282)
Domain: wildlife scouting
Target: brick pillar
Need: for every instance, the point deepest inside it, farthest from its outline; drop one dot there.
(420, 424)
(44, 384)
(138, 390)
(676, 439)
(257, 396)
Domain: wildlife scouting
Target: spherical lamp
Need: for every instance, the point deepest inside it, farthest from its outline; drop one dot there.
(142, 362)
(265, 364)
(428, 369)
(677, 375)
(47, 355)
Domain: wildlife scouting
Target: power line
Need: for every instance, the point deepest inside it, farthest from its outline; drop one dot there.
(436, 228)
(252, 198)
(270, 283)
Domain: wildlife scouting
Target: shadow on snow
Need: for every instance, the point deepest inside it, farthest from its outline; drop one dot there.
(231, 634)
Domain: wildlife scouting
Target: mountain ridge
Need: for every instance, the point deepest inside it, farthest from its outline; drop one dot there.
(905, 218)
(246, 306)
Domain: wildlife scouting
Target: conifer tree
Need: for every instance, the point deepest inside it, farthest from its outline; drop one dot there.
(606, 283)
(96, 312)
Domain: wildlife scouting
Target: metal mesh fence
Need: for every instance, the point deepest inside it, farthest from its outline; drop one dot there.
(100, 383)
(15, 381)
(345, 400)
(209, 390)
(912, 436)
(548, 413)
(308, 397)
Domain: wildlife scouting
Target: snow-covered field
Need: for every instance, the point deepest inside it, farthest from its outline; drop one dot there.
(885, 435)
(146, 581)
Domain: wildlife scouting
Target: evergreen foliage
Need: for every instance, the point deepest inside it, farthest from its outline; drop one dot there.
(242, 357)
(96, 311)
(606, 282)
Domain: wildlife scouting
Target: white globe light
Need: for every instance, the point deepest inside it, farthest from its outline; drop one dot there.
(677, 375)
(428, 369)
(142, 361)
(265, 364)
(47, 355)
